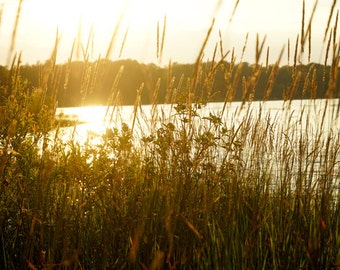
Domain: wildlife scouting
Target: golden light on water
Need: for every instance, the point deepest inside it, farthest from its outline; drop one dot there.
(92, 123)
(89, 122)
(88, 114)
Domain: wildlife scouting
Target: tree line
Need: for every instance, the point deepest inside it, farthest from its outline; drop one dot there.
(93, 83)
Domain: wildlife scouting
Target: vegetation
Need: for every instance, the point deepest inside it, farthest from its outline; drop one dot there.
(103, 72)
(187, 192)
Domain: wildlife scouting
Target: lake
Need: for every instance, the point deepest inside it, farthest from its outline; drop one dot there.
(319, 114)
(301, 136)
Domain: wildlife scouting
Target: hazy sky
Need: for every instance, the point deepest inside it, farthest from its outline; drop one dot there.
(186, 26)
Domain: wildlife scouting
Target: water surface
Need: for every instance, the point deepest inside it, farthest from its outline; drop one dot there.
(316, 115)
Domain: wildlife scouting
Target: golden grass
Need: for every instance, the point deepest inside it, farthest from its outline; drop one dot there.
(114, 36)
(14, 32)
(123, 42)
(331, 12)
(193, 192)
(309, 27)
(234, 10)
(160, 45)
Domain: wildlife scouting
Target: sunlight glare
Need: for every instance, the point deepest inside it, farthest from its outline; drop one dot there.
(88, 114)
(90, 123)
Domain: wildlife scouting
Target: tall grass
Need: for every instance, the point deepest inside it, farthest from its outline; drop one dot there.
(190, 191)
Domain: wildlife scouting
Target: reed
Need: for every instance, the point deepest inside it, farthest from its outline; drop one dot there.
(123, 42)
(160, 46)
(329, 19)
(14, 32)
(184, 188)
(114, 36)
(305, 34)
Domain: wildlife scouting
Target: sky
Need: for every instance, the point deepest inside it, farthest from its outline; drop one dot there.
(187, 22)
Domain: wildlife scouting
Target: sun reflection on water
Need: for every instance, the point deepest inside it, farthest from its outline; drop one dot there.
(89, 123)
(81, 122)
(92, 122)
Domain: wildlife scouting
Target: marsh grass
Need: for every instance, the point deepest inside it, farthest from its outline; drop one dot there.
(190, 191)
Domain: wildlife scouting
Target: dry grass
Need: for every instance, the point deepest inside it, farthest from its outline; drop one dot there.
(182, 187)
(14, 32)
